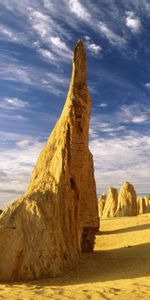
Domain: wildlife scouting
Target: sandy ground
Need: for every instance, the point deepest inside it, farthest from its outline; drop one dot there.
(118, 269)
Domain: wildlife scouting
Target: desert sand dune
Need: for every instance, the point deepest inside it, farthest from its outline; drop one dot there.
(118, 269)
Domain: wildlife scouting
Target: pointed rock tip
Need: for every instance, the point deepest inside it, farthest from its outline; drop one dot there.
(79, 62)
(79, 50)
(126, 183)
(79, 43)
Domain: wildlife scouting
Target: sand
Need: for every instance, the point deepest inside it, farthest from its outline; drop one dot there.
(118, 269)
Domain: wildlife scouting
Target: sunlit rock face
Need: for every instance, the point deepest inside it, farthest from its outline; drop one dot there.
(111, 203)
(101, 203)
(127, 203)
(147, 203)
(43, 233)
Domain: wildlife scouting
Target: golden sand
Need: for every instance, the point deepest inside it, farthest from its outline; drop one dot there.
(118, 269)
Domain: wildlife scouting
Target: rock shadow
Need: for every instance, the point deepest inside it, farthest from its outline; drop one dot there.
(125, 230)
(129, 262)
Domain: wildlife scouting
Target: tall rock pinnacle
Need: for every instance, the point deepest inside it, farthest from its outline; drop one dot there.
(127, 203)
(43, 233)
(111, 203)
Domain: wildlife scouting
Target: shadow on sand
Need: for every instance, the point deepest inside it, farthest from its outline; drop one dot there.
(123, 263)
(125, 230)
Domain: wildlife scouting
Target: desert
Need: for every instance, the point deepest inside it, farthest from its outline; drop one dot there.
(74, 150)
(119, 267)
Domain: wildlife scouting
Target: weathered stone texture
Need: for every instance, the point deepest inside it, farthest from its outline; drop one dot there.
(42, 233)
(111, 203)
(101, 203)
(127, 203)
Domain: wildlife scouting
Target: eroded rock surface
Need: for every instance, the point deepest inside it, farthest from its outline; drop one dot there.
(127, 203)
(141, 206)
(101, 203)
(111, 203)
(147, 203)
(43, 233)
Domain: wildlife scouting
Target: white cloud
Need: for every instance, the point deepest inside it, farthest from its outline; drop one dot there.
(13, 103)
(112, 37)
(41, 23)
(122, 159)
(103, 104)
(133, 22)
(56, 41)
(147, 85)
(91, 46)
(94, 48)
(140, 119)
(79, 10)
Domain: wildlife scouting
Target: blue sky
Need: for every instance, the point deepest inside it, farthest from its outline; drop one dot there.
(36, 42)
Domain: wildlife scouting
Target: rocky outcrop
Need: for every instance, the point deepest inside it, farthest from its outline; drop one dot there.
(127, 204)
(111, 203)
(1, 211)
(147, 203)
(101, 203)
(43, 233)
(141, 206)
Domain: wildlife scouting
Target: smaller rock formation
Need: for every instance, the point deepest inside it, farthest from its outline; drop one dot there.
(101, 203)
(141, 206)
(1, 211)
(147, 203)
(127, 203)
(111, 203)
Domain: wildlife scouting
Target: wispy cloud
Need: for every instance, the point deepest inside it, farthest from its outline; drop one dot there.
(8, 33)
(23, 143)
(79, 10)
(134, 113)
(46, 54)
(16, 165)
(16, 72)
(11, 35)
(13, 103)
(49, 33)
(112, 37)
(117, 123)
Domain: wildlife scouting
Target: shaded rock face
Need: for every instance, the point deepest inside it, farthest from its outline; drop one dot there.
(1, 211)
(141, 206)
(127, 204)
(43, 233)
(111, 203)
(101, 203)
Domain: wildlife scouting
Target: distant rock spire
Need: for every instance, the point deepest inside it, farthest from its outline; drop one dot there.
(111, 203)
(127, 202)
